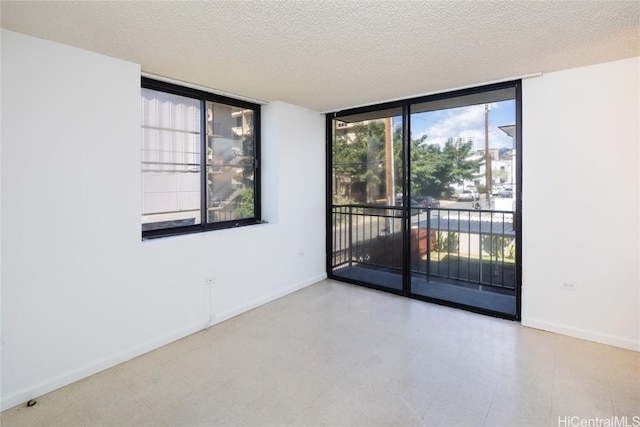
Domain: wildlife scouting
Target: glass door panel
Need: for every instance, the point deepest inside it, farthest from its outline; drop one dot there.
(367, 199)
(463, 179)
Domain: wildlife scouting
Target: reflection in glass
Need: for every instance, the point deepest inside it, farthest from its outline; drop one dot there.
(170, 160)
(230, 163)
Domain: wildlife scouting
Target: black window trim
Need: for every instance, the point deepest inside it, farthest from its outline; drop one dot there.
(203, 97)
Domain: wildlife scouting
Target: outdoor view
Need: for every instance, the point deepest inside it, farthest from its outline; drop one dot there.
(458, 199)
(448, 158)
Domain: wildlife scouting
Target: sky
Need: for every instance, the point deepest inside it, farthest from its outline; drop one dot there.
(465, 122)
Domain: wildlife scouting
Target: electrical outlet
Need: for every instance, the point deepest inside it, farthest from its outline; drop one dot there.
(570, 286)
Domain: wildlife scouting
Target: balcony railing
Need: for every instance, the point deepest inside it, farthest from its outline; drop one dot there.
(472, 248)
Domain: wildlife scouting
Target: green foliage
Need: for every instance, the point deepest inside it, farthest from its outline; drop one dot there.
(499, 247)
(452, 242)
(339, 199)
(245, 209)
(362, 157)
(440, 244)
(447, 242)
(510, 252)
(433, 168)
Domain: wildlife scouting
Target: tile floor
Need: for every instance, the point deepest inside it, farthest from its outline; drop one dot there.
(341, 355)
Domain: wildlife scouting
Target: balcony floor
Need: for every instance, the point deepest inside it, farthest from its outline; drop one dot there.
(441, 289)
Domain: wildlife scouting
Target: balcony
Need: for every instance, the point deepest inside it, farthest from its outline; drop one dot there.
(456, 256)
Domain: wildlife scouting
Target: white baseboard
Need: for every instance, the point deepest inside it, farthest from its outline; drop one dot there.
(95, 367)
(113, 360)
(613, 340)
(228, 314)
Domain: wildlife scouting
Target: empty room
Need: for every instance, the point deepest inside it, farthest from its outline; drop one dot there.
(297, 213)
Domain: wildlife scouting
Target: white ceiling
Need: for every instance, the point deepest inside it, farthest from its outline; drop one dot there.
(328, 55)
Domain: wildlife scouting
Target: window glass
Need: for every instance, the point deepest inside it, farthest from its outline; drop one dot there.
(170, 160)
(463, 150)
(230, 162)
(367, 161)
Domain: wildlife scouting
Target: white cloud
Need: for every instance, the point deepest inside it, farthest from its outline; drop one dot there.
(463, 122)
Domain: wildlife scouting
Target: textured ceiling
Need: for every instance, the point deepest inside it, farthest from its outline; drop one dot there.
(331, 55)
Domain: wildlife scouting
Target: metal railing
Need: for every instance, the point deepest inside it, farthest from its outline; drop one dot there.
(363, 234)
(469, 247)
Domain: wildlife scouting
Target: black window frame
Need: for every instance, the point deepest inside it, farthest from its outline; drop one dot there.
(204, 97)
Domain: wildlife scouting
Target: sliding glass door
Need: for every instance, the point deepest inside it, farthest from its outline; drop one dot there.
(366, 199)
(424, 198)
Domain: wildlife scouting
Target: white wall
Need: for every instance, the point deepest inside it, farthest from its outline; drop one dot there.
(80, 290)
(581, 139)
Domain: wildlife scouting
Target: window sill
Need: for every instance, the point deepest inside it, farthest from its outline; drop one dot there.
(198, 229)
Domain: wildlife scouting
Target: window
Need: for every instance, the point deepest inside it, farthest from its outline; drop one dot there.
(200, 155)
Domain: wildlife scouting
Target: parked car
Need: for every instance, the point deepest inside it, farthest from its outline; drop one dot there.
(468, 196)
(507, 192)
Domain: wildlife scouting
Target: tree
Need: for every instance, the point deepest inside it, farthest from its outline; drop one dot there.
(362, 159)
(433, 168)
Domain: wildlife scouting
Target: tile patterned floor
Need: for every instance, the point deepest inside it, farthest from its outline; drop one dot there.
(340, 355)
